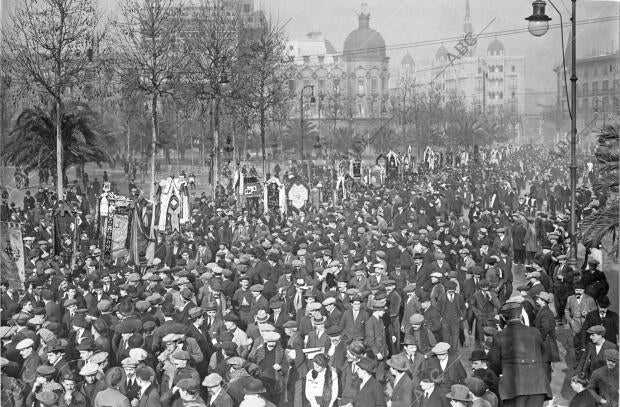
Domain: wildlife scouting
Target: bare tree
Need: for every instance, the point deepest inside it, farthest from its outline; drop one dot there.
(150, 55)
(213, 34)
(264, 73)
(48, 44)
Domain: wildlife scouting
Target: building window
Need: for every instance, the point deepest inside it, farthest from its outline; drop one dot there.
(585, 87)
(321, 59)
(361, 88)
(513, 68)
(512, 95)
(605, 85)
(291, 86)
(501, 95)
(595, 71)
(337, 85)
(501, 68)
(605, 101)
(321, 86)
(306, 59)
(616, 102)
(374, 85)
(594, 86)
(246, 8)
(479, 70)
(360, 109)
(585, 103)
(585, 73)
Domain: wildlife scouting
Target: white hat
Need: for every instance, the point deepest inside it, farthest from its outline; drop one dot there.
(271, 336)
(24, 344)
(138, 354)
(89, 369)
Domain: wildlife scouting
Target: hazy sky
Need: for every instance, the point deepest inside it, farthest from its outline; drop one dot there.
(403, 22)
(411, 21)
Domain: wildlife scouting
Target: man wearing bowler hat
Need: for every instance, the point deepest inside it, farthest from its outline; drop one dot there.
(402, 387)
(459, 394)
(371, 391)
(523, 377)
(430, 395)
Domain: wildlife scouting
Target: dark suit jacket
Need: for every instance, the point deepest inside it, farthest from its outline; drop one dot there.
(545, 323)
(436, 399)
(333, 318)
(370, 395)
(150, 398)
(454, 373)
(222, 400)
(375, 339)
(402, 394)
(432, 319)
(610, 322)
(591, 360)
(351, 328)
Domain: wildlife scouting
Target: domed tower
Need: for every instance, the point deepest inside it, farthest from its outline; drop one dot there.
(442, 54)
(495, 48)
(407, 61)
(367, 68)
(364, 43)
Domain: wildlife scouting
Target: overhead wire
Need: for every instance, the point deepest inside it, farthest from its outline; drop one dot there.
(440, 41)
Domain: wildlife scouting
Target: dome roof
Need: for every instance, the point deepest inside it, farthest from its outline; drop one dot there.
(495, 46)
(407, 60)
(364, 42)
(441, 53)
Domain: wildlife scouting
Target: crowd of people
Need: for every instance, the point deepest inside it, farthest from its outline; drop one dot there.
(403, 294)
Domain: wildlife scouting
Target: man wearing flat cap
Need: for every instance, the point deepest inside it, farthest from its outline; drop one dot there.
(594, 356)
(604, 381)
(523, 376)
(217, 395)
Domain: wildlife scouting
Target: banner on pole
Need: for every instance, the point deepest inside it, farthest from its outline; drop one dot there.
(13, 256)
(120, 228)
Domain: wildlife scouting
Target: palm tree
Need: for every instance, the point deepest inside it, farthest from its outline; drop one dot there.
(595, 227)
(32, 141)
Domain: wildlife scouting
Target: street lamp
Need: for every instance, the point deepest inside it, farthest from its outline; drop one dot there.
(538, 22)
(538, 25)
(301, 122)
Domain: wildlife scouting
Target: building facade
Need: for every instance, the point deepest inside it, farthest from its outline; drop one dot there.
(598, 92)
(350, 85)
(491, 79)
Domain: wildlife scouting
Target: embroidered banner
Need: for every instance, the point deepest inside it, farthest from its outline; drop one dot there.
(107, 240)
(13, 256)
(119, 235)
(17, 249)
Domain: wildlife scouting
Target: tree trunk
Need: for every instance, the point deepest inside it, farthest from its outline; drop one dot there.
(153, 159)
(178, 135)
(262, 141)
(128, 139)
(216, 144)
(59, 167)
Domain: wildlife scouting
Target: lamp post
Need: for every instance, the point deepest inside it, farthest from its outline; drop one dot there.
(301, 122)
(538, 26)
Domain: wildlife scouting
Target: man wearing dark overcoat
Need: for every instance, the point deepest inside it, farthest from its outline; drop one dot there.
(516, 356)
